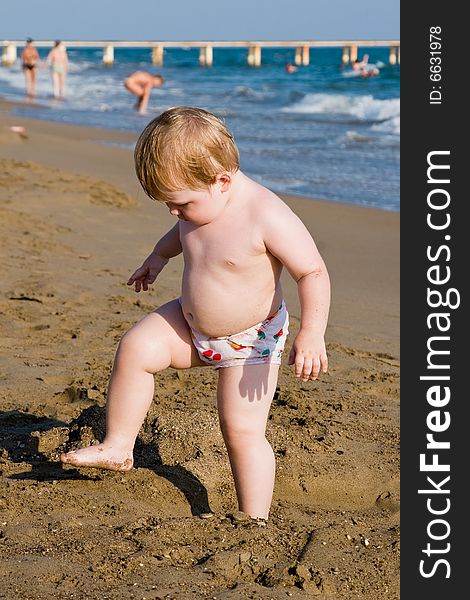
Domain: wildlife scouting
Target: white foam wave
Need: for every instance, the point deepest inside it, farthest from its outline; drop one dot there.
(354, 136)
(243, 91)
(77, 67)
(363, 108)
(392, 126)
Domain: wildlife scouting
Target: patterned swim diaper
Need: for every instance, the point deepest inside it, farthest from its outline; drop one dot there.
(261, 344)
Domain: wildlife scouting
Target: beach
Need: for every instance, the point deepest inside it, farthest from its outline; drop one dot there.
(318, 132)
(75, 223)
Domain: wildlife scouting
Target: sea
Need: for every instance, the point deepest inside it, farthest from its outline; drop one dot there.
(319, 132)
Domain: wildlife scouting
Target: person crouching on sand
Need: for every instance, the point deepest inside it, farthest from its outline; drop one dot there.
(140, 84)
(235, 236)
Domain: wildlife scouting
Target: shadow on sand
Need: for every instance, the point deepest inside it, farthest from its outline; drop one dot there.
(37, 441)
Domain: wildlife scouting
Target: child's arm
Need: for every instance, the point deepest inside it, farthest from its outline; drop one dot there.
(308, 352)
(287, 238)
(167, 247)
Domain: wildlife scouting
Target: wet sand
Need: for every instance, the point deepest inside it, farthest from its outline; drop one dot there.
(74, 224)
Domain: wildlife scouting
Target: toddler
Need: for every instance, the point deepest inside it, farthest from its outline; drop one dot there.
(235, 236)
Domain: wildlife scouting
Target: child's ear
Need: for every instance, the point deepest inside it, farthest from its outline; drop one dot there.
(224, 180)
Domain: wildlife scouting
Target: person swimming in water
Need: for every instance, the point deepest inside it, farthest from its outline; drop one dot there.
(290, 68)
(364, 68)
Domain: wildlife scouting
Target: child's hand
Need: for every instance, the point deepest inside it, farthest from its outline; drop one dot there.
(308, 354)
(148, 272)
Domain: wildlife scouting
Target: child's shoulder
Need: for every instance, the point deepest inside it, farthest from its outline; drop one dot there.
(270, 213)
(263, 199)
(267, 209)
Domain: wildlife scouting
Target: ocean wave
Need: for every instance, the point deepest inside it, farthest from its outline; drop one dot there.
(391, 126)
(243, 91)
(331, 140)
(354, 136)
(363, 108)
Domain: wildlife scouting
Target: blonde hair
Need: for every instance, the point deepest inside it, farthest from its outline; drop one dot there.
(183, 148)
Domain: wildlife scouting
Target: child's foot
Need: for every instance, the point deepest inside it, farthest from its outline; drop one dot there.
(100, 457)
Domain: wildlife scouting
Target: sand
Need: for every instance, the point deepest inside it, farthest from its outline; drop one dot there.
(74, 224)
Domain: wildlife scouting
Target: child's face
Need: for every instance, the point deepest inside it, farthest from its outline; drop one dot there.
(199, 207)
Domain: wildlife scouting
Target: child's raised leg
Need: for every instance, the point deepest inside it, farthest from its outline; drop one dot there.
(160, 340)
(244, 397)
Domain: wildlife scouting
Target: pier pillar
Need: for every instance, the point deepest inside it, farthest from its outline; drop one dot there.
(345, 56)
(353, 53)
(157, 56)
(254, 56)
(393, 56)
(305, 55)
(398, 54)
(298, 56)
(206, 56)
(108, 55)
(9, 54)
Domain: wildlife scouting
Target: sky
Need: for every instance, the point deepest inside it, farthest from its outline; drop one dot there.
(201, 20)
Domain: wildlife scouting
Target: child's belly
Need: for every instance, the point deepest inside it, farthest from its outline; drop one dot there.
(220, 307)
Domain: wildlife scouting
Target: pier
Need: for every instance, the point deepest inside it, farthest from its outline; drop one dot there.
(206, 49)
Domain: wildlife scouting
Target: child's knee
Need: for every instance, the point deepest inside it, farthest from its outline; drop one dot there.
(129, 345)
(241, 432)
(149, 351)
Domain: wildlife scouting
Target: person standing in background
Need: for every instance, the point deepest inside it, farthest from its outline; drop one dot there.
(58, 60)
(30, 60)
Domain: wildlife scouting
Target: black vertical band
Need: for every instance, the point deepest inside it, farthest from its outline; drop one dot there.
(434, 327)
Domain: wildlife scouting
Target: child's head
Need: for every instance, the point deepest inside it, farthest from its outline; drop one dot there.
(185, 148)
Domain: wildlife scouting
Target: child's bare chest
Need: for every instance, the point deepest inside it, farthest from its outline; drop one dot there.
(234, 247)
